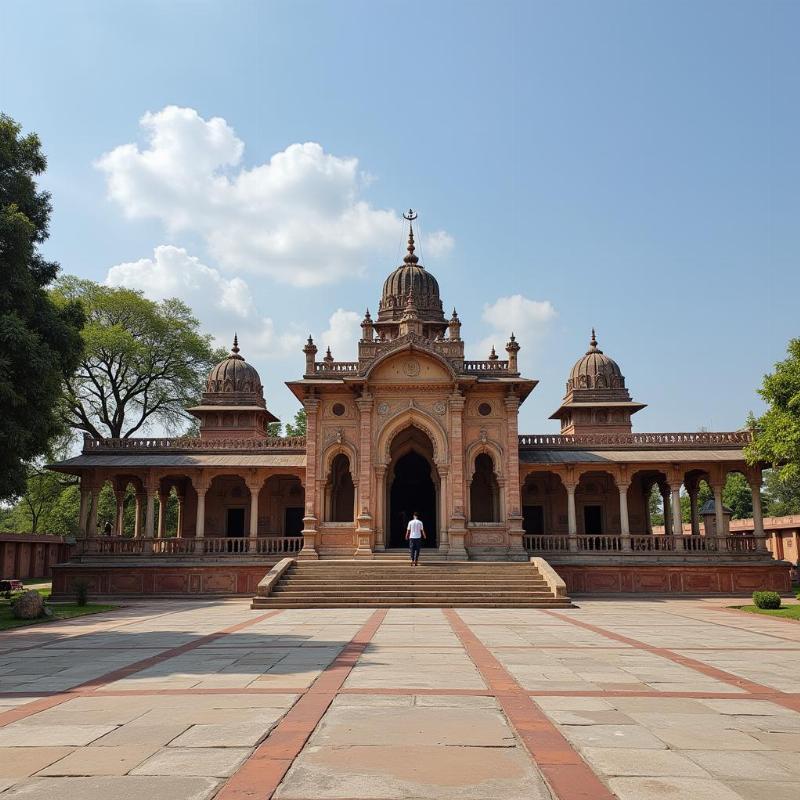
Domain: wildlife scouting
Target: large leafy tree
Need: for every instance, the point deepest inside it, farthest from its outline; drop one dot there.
(39, 341)
(143, 361)
(777, 432)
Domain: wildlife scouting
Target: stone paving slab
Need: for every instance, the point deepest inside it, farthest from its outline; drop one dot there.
(646, 696)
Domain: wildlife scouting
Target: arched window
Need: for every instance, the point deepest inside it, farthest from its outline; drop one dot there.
(484, 491)
(342, 491)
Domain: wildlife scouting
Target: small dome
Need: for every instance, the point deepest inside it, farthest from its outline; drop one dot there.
(234, 374)
(595, 370)
(411, 280)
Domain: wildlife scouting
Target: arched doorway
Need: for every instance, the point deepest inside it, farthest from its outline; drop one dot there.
(412, 486)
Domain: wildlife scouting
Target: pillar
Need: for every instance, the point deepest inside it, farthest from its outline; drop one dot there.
(624, 524)
(83, 514)
(163, 499)
(311, 405)
(516, 532)
(648, 519)
(149, 513)
(572, 518)
(695, 519)
(92, 527)
(201, 483)
(754, 478)
(380, 512)
(457, 528)
(364, 523)
(254, 485)
(137, 523)
(444, 539)
(179, 526)
(677, 516)
(719, 520)
(665, 500)
(119, 496)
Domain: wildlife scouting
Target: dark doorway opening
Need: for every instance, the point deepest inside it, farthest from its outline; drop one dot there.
(592, 520)
(412, 490)
(235, 522)
(293, 522)
(533, 519)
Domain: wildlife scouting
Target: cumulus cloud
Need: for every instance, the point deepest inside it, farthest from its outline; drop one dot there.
(223, 305)
(299, 218)
(438, 244)
(342, 335)
(528, 319)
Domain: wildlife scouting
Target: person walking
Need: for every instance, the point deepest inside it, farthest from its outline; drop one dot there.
(415, 533)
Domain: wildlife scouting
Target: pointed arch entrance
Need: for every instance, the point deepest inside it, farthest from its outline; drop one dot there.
(412, 485)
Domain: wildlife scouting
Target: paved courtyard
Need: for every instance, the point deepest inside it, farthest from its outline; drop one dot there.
(633, 699)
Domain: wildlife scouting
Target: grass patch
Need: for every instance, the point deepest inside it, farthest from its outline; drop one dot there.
(787, 612)
(60, 611)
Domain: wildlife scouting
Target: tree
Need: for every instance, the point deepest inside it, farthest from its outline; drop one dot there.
(298, 428)
(781, 497)
(39, 342)
(776, 433)
(143, 362)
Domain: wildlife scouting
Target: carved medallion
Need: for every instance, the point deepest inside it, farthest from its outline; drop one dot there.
(440, 407)
(411, 367)
(383, 409)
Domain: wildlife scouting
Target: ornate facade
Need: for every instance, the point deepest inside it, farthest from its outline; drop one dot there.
(414, 426)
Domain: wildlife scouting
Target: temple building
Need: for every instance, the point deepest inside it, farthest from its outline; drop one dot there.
(413, 425)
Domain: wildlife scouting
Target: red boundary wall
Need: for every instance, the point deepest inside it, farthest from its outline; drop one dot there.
(30, 555)
(664, 579)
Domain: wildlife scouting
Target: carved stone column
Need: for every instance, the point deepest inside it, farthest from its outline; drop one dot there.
(163, 499)
(254, 484)
(149, 514)
(201, 482)
(179, 527)
(516, 533)
(444, 539)
(311, 405)
(754, 479)
(380, 495)
(119, 518)
(457, 529)
(83, 514)
(95, 496)
(364, 527)
(719, 515)
(691, 490)
(137, 521)
(572, 517)
(666, 494)
(623, 484)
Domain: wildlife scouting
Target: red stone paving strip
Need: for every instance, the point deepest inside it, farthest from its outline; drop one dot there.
(34, 707)
(569, 776)
(262, 773)
(786, 699)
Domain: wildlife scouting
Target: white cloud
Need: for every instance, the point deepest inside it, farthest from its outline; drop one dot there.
(437, 244)
(528, 319)
(342, 335)
(299, 218)
(223, 305)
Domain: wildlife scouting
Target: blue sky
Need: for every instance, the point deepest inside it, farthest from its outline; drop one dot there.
(627, 165)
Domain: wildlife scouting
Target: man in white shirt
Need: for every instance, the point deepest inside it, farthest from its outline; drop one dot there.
(415, 533)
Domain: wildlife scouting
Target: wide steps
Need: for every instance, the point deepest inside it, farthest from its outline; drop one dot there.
(357, 584)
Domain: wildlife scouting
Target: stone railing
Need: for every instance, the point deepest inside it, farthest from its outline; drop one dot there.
(490, 365)
(188, 443)
(336, 367)
(640, 544)
(191, 547)
(548, 441)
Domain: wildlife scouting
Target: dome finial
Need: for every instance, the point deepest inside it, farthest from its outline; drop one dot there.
(593, 348)
(411, 258)
(235, 348)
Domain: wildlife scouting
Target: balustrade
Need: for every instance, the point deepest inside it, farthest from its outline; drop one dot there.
(546, 543)
(678, 440)
(174, 546)
(179, 443)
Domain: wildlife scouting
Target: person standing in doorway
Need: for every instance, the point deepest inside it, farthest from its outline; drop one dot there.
(415, 533)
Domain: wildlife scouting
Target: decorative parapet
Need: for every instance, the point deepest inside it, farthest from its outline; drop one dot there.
(638, 441)
(492, 365)
(180, 444)
(335, 367)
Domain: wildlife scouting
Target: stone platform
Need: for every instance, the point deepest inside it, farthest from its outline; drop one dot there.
(632, 699)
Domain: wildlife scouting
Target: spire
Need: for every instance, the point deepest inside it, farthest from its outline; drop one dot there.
(593, 348)
(235, 348)
(411, 259)
(328, 357)
(493, 355)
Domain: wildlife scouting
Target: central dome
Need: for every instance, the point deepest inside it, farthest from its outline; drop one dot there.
(411, 284)
(233, 375)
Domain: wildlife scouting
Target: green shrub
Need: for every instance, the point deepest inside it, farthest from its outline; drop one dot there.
(81, 589)
(767, 599)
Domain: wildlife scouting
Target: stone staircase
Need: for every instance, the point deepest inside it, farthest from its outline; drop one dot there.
(385, 584)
